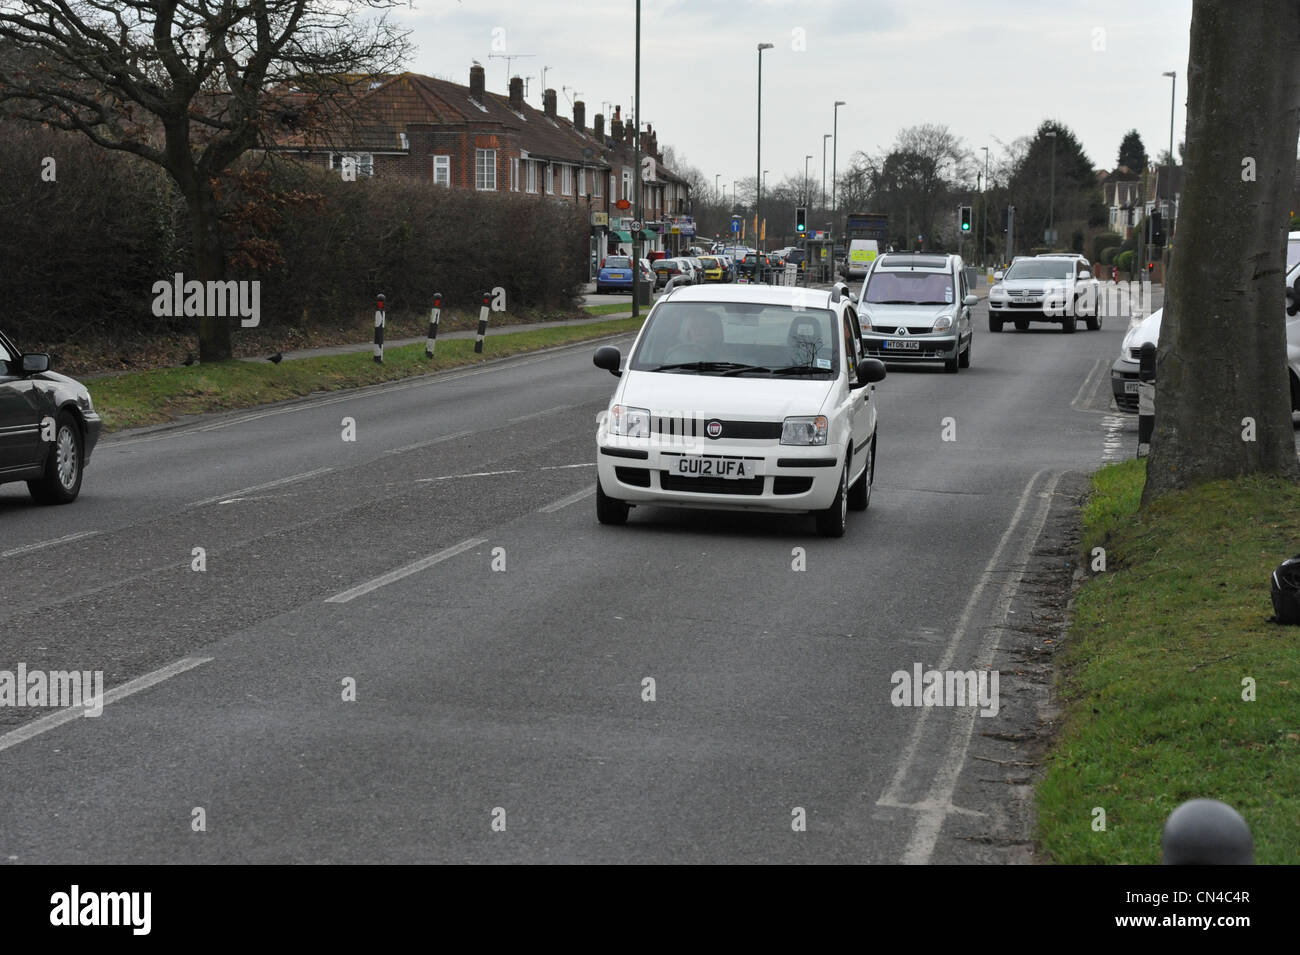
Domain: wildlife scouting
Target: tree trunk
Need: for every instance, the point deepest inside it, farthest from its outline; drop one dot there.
(1222, 400)
(215, 340)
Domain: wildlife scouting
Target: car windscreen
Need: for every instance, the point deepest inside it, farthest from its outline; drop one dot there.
(909, 288)
(1059, 269)
(618, 262)
(1292, 253)
(739, 339)
(709, 262)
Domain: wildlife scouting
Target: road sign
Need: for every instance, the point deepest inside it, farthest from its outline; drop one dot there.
(623, 204)
(600, 218)
(634, 225)
(735, 223)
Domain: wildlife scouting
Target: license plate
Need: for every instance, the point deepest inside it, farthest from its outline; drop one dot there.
(616, 275)
(903, 344)
(1130, 387)
(736, 469)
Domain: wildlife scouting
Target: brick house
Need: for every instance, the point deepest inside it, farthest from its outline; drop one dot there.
(464, 137)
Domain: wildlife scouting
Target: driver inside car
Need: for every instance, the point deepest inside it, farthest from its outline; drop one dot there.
(702, 330)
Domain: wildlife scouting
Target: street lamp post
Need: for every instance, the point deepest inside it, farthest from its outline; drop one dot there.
(758, 157)
(636, 119)
(716, 177)
(984, 205)
(1169, 218)
(805, 179)
(835, 145)
(825, 136)
(1051, 205)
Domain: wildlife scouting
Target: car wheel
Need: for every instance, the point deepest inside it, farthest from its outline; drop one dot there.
(1022, 324)
(964, 360)
(609, 510)
(995, 324)
(951, 365)
(832, 521)
(1094, 322)
(860, 493)
(61, 482)
(1069, 324)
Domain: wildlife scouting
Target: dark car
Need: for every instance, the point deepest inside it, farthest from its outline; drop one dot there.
(48, 427)
(756, 261)
(668, 269)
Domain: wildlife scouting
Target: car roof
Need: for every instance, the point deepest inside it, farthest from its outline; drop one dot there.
(756, 294)
(915, 261)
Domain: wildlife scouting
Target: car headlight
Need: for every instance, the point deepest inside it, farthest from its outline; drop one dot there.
(997, 292)
(943, 322)
(629, 422)
(864, 321)
(805, 431)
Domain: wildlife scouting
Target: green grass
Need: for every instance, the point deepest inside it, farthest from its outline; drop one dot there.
(153, 397)
(1152, 679)
(612, 309)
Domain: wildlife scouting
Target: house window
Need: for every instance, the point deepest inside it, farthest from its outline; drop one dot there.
(362, 164)
(485, 169)
(442, 171)
(627, 183)
(582, 182)
(514, 175)
(549, 174)
(532, 176)
(596, 178)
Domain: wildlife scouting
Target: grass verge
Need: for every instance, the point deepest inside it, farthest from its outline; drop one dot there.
(154, 397)
(1159, 647)
(612, 309)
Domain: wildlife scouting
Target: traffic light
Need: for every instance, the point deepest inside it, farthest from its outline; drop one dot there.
(1151, 266)
(801, 220)
(1157, 231)
(965, 218)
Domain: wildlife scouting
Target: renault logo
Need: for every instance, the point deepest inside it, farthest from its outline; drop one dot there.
(901, 330)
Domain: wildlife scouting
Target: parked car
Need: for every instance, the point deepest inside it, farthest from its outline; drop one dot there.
(668, 269)
(728, 268)
(1049, 288)
(615, 275)
(1124, 372)
(741, 398)
(713, 270)
(756, 262)
(647, 273)
(916, 307)
(48, 426)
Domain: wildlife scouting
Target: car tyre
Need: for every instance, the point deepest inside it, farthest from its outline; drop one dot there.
(1022, 324)
(61, 482)
(1093, 322)
(860, 493)
(832, 521)
(995, 324)
(1069, 324)
(951, 365)
(964, 360)
(608, 509)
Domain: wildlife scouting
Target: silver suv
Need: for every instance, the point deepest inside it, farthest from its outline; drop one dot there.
(915, 307)
(1045, 288)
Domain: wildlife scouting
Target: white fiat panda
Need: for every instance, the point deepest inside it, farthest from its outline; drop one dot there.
(741, 397)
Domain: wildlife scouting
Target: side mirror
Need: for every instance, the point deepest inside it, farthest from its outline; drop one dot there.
(36, 363)
(970, 301)
(870, 370)
(997, 275)
(1085, 274)
(609, 358)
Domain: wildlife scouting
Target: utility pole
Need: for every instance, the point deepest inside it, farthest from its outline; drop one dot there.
(758, 157)
(636, 119)
(1168, 219)
(1051, 207)
(984, 208)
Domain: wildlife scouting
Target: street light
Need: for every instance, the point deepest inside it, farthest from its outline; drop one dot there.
(716, 177)
(758, 156)
(835, 145)
(984, 204)
(636, 120)
(1168, 219)
(1051, 207)
(805, 178)
(825, 136)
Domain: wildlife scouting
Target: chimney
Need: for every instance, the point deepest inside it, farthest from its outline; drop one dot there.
(517, 93)
(598, 130)
(548, 103)
(616, 125)
(579, 115)
(476, 82)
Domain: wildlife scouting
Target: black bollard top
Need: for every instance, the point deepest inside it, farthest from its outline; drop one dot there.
(380, 303)
(1206, 832)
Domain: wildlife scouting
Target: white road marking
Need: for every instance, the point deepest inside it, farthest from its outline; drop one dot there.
(566, 501)
(66, 715)
(539, 414)
(401, 572)
(937, 804)
(425, 444)
(565, 467)
(42, 544)
(452, 477)
(1087, 380)
(232, 495)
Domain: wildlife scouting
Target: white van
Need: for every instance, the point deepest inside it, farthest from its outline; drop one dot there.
(862, 254)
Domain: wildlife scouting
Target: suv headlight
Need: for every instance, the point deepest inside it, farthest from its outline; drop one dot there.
(864, 321)
(629, 422)
(943, 322)
(805, 431)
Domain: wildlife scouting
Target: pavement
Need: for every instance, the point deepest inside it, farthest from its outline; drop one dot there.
(420, 646)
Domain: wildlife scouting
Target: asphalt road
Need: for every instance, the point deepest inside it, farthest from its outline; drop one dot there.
(516, 694)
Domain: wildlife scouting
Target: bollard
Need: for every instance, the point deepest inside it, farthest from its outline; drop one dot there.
(1146, 398)
(482, 322)
(379, 331)
(434, 315)
(1206, 832)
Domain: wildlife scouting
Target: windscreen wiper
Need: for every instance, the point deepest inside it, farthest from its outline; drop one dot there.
(799, 370)
(729, 367)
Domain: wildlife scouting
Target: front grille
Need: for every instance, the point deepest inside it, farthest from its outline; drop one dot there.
(791, 485)
(637, 477)
(1127, 403)
(893, 329)
(889, 354)
(673, 482)
(694, 428)
(1036, 306)
(1135, 354)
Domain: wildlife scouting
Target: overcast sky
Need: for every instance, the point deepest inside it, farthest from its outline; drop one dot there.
(991, 70)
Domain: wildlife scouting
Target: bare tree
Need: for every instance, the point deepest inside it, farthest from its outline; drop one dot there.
(1223, 404)
(189, 85)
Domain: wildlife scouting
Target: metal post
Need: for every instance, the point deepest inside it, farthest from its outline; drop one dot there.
(835, 145)
(1051, 207)
(758, 155)
(636, 119)
(435, 315)
(825, 136)
(1169, 225)
(379, 330)
(984, 208)
(482, 323)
